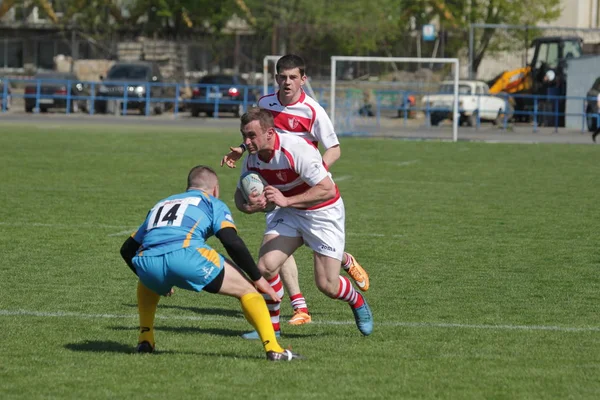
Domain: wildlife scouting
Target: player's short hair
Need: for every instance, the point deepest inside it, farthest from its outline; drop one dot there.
(264, 117)
(290, 61)
(202, 177)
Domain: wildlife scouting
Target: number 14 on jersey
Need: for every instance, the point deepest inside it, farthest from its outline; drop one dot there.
(170, 212)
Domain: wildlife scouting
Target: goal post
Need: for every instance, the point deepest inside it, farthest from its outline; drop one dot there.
(452, 61)
(266, 61)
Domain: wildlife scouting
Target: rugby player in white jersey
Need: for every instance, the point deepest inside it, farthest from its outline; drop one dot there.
(297, 114)
(309, 211)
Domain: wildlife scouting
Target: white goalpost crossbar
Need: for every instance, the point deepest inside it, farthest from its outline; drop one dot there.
(453, 61)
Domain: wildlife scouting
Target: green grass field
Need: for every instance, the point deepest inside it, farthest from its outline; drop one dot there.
(483, 258)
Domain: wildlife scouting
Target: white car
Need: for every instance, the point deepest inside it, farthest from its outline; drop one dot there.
(474, 99)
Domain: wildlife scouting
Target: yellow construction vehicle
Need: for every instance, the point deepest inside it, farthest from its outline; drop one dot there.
(515, 81)
(545, 75)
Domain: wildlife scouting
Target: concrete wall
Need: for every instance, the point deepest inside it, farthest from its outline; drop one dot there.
(86, 70)
(582, 73)
(579, 14)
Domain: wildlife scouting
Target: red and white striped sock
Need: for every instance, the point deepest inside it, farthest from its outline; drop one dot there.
(348, 263)
(274, 307)
(347, 293)
(299, 302)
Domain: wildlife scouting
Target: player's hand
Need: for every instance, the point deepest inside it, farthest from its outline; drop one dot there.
(263, 287)
(274, 195)
(170, 293)
(255, 203)
(230, 158)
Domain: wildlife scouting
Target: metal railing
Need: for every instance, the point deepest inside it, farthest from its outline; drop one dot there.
(151, 97)
(121, 96)
(544, 110)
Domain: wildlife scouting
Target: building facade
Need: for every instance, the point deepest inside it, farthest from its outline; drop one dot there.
(584, 14)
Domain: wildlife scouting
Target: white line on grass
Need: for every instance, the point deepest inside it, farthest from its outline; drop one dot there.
(60, 314)
(406, 163)
(342, 178)
(129, 230)
(45, 225)
(367, 234)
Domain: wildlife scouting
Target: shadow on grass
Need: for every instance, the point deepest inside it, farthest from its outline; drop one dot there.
(223, 312)
(211, 331)
(100, 346)
(109, 346)
(185, 329)
(197, 310)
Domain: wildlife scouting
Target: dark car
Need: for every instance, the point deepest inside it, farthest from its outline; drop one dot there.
(138, 78)
(8, 95)
(591, 109)
(230, 91)
(53, 89)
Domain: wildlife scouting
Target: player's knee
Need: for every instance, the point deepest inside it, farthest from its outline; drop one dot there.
(267, 268)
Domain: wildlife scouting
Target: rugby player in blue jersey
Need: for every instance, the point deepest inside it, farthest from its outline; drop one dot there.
(169, 249)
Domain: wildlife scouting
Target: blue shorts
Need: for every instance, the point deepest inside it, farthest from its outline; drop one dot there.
(191, 268)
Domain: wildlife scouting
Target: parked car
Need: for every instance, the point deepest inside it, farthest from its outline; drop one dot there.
(53, 92)
(138, 77)
(228, 90)
(591, 108)
(474, 100)
(8, 95)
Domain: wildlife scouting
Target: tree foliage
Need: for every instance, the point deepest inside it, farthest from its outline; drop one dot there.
(359, 26)
(341, 26)
(459, 14)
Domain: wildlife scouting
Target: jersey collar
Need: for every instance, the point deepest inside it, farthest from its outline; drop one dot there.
(300, 100)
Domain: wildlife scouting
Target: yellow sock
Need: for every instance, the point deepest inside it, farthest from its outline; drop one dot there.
(256, 312)
(147, 302)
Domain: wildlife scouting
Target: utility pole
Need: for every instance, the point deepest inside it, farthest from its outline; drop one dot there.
(74, 48)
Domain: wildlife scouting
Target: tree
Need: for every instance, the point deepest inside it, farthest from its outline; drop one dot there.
(345, 27)
(461, 13)
(351, 27)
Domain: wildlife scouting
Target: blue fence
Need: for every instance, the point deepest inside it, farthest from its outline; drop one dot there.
(153, 98)
(120, 96)
(543, 110)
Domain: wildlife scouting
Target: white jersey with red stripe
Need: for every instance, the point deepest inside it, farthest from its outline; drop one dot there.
(295, 166)
(305, 118)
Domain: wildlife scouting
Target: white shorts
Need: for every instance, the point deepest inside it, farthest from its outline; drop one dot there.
(322, 230)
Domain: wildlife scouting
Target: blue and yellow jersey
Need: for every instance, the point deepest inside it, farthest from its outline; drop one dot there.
(180, 221)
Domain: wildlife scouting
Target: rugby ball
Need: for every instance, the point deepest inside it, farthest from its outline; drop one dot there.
(252, 182)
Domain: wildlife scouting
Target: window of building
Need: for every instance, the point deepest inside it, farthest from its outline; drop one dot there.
(11, 53)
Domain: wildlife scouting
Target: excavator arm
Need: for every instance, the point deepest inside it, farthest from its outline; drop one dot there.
(515, 81)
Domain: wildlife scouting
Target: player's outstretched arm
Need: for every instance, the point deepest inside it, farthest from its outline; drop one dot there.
(263, 286)
(239, 253)
(128, 251)
(229, 159)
